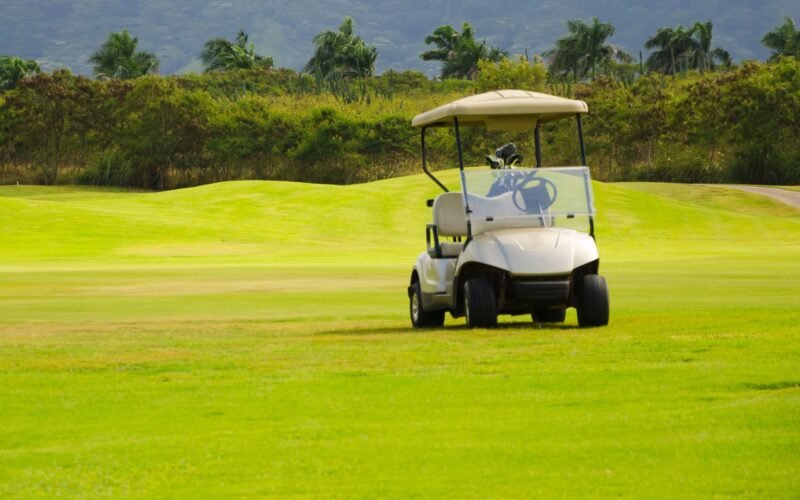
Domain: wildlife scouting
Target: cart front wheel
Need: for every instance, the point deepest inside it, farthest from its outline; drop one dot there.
(593, 302)
(480, 304)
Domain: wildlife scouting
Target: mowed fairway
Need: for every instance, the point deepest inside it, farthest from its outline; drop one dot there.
(251, 339)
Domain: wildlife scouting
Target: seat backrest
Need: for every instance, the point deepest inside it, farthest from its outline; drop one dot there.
(448, 214)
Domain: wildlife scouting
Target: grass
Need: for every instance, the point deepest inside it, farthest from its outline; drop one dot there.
(251, 339)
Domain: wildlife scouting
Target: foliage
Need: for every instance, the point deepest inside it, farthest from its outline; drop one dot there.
(118, 58)
(13, 69)
(341, 62)
(55, 118)
(220, 54)
(705, 58)
(164, 128)
(784, 40)
(341, 54)
(459, 53)
(762, 109)
(59, 32)
(718, 126)
(517, 73)
(680, 49)
(156, 132)
(584, 50)
(236, 83)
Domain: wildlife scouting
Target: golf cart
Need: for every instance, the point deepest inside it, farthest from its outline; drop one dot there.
(514, 240)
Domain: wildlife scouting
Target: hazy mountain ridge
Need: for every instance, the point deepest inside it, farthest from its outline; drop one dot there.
(65, 33)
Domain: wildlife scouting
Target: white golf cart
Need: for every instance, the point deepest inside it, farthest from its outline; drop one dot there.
(519, 240)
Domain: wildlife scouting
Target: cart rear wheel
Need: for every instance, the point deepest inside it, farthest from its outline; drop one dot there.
(480, 305)
(420, 318)
(593, 302)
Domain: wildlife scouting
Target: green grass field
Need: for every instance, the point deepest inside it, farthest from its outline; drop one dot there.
(251, 339)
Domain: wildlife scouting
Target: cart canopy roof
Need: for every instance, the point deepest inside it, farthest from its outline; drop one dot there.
(511, 110)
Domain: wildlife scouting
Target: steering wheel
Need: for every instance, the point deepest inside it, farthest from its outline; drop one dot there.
(538, 192)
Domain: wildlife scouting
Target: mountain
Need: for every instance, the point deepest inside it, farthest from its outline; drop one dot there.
(66, 32)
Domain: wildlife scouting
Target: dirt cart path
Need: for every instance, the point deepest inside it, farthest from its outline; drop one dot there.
(791, 198)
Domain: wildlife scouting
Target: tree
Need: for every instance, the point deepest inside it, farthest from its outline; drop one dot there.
(459, 53)
(784, 40)
(223, 55)
(675, 47)
(704, 57)
(681, 49)
(13, 69)
(584, 49)
(118, 58)
(341, 54)
(517, 73)
(762, 109)
(162, 128)
(53, 112)
(444, 38)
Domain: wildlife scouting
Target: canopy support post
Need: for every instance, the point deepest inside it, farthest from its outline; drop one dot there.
(425, 163)
(580, 140)
(538, 140)
(583, 163)
(467, 211)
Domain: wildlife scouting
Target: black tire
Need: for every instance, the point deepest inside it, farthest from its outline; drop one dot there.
(593, 302)
(480, 305)
(420, 318)
(549, 315)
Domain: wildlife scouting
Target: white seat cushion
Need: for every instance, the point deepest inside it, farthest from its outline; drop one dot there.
(448, 214)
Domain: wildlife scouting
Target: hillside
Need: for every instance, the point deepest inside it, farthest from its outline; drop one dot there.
(282, 223)
(66, 32)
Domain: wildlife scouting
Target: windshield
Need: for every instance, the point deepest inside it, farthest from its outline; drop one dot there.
(529, 197)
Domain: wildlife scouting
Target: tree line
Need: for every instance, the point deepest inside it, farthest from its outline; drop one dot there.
(582, 53)
(155, 132)
(693, 117)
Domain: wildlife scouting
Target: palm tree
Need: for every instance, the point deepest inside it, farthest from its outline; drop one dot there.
(459, 52)
(13, 69)
(341, 54)
(676, 47)
(681, 49)
(784, 40)
(594, 43)
(444, 38)
(220, 54)
(584, 49)
(118, 58)
(704, 57)
(566, 57)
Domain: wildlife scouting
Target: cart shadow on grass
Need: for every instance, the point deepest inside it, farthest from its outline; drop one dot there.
(523, 327)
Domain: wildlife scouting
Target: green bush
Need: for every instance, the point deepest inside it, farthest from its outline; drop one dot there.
(161, 132)
(686, 166)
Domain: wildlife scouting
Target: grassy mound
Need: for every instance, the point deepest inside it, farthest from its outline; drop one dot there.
(285, 223)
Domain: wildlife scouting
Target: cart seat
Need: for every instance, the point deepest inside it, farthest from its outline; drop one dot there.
(448, 220)
(448, 214)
